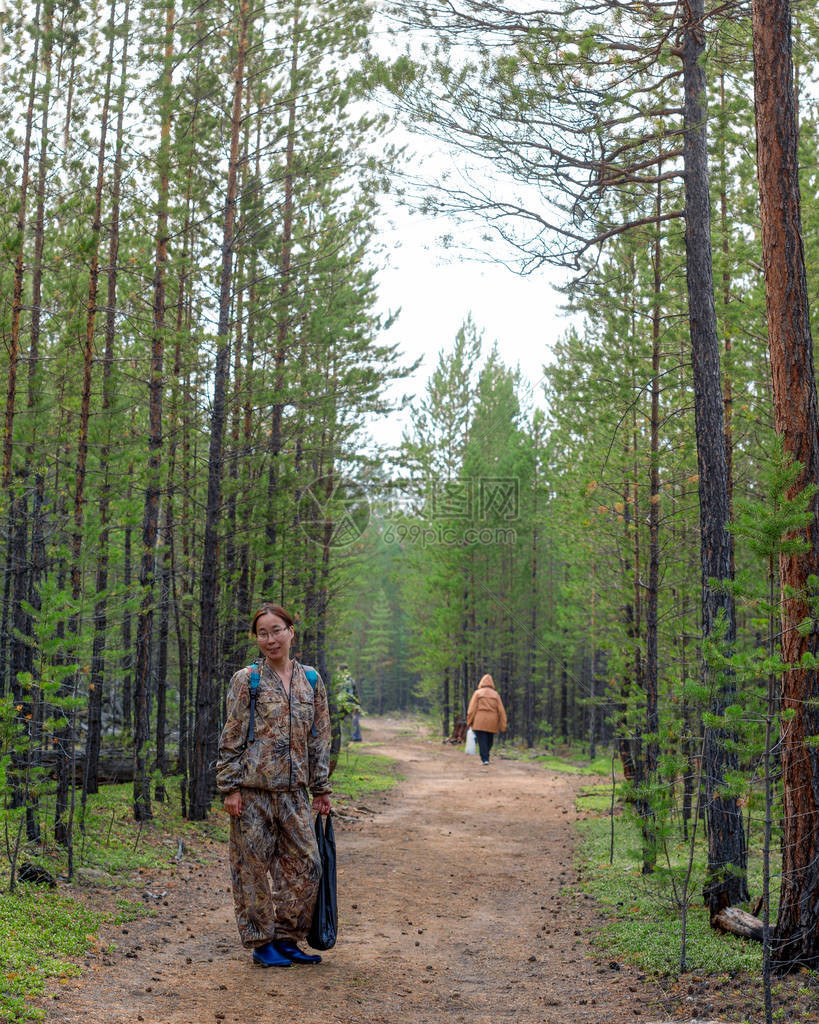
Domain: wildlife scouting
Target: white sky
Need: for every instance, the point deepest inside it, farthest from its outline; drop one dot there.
(437, 288)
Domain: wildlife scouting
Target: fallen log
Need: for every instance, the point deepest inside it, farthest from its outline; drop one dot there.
(738, 922)
(113, 767)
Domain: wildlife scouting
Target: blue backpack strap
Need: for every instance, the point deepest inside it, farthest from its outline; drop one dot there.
(254, 689)
(312, 679)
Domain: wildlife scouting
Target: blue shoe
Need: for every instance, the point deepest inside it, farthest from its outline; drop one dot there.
(289, 949)
(268, 956)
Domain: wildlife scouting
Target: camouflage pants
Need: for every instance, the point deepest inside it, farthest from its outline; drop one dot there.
(273, 837)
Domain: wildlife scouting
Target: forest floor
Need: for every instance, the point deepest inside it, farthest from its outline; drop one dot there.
(459, 903)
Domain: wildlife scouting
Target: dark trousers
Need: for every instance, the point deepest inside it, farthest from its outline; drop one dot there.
(485, 740)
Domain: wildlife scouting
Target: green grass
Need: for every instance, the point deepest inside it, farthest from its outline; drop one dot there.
(597, 799)
(359, 773)
(40, 930)
(567, 759)
(131, 910)
(558, 763)
(644, 921)
(113, 843)
(643, 926)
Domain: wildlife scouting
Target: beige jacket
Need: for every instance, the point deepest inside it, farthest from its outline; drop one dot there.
(486, 711)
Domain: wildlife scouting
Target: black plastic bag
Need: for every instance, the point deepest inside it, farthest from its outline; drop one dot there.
(324, 926)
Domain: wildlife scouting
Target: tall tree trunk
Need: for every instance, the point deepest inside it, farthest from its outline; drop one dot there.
(727, 379)
(35, 576)
(641, 749)
(164, 608)
(180, 418)
(17, 295)
(150, 518)
(206, 727)
(796, 937)
(188, 538)
(533, 664)
(233, 615)
(322, 607)
(652, 596)
(61, 831)
(97, 680)
(85, 390)
(127, 661)
(726, 883)
(445, 704)
(39, 227)
(183, 657)
(283, 326)
(592, 733)
(21, 660)
(5, 618)
(243, 589)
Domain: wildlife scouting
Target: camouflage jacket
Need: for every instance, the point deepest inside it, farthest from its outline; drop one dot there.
(285, 753)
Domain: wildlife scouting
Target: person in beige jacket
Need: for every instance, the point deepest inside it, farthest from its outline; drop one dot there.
(486, 716)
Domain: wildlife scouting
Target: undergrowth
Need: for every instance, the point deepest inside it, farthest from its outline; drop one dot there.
(643, 922)
(40, 932)
(644, 912)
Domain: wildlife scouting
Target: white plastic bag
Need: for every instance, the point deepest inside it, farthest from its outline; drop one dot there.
(470, 742)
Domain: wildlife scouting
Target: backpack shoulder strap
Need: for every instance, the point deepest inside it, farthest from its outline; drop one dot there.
(255, 677)
(312, 679)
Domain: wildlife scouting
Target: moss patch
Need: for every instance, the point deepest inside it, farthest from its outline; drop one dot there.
(40, 931)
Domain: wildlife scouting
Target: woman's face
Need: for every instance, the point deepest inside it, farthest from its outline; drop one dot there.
(273, 636)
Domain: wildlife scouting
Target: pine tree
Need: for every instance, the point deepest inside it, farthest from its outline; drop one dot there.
(796, 939)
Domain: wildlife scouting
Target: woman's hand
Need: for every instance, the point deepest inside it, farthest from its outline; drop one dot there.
(233, 804)
(322, 803)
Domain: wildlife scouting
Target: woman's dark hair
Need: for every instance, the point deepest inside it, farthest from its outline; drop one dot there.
(271, 609)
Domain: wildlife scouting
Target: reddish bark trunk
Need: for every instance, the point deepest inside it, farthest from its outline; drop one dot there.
(796, 937)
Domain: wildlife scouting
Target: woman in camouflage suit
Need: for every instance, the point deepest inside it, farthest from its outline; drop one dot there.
(265, 786)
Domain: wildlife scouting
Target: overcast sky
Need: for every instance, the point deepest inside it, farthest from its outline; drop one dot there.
(437, 288)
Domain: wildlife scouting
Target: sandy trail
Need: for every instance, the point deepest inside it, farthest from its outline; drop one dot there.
(458, 902)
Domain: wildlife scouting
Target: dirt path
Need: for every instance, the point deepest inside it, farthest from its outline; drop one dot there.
(458, 902)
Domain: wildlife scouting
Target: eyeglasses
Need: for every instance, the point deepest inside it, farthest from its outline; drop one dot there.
(275, 632)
